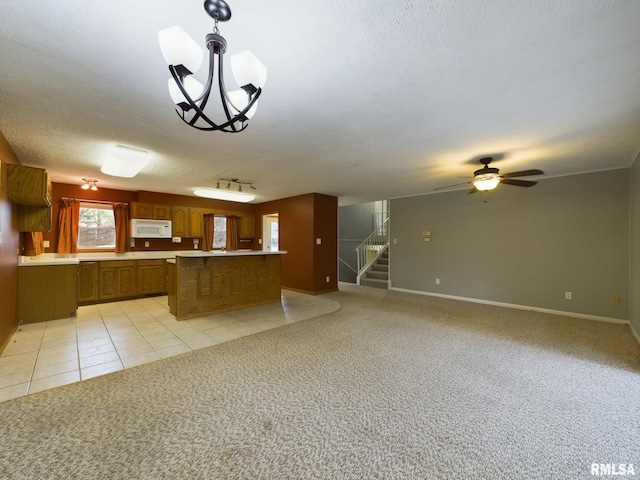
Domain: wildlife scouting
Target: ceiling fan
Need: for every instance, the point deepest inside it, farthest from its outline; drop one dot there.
(487, 178)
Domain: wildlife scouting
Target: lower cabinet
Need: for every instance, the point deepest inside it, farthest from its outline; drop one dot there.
(151, 277)
(119, 279)
(87, 282)
(46, 292)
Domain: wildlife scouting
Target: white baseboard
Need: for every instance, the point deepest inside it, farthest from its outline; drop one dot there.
(521, 307)
(635, 333)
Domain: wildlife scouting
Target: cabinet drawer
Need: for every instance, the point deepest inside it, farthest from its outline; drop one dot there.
(117, 263)
(151, 263)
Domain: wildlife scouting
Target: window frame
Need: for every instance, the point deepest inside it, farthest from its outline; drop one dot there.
(92, 204)
(214, 246)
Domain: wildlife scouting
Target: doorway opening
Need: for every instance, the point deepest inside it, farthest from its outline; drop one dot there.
(270, 233)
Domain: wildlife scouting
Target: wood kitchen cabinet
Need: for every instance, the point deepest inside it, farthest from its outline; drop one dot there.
(112, 280)
(117, 279)
(150, 211)
(151, 277)
(247, 226)
(187, 222)
(46, 292)
(162, 212)
(196, 223)
(87, 284)
(30, 188)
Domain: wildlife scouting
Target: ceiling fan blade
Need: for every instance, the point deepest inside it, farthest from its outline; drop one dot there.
(518, 183)
(523, 173)
(454, 185)
(473, 190)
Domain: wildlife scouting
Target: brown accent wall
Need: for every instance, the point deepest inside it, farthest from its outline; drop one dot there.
(107, 195)
(303, 219)
(8, 250)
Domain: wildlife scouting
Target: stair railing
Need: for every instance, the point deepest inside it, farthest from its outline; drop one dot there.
(372, 247)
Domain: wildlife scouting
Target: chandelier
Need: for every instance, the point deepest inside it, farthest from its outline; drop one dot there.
(184, 57)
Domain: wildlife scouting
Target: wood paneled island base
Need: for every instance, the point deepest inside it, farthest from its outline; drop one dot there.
(214, 282)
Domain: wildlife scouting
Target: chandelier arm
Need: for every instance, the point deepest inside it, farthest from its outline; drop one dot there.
(224, 97)
(229, 126)
(213, 126)
(204, 97)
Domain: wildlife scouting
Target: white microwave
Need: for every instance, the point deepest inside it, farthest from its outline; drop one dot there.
(141, 228)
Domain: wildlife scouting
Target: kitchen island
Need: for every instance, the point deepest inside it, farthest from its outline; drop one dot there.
(205, 283)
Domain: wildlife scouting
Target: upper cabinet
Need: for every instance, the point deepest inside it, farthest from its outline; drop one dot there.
(150, 211)
(247, 226)
(187, 222)
(28, 186)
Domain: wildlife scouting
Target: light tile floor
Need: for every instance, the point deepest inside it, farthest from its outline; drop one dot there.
(109, 337)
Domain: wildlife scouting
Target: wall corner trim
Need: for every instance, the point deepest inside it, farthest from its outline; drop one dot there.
(635, 333)
(521, 307)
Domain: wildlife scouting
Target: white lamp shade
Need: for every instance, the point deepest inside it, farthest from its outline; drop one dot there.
(248, 70)
(240, 99)
(192, 86)
(178, 48)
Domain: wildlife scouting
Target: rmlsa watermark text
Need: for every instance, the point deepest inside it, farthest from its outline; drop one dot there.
(612, 469)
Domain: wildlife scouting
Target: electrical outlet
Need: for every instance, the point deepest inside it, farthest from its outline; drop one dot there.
(327, 279)
(568, 295)
(437, 281)
(146, 244)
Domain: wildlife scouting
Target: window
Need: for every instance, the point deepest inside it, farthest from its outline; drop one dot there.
(219, 232)
(96, 227)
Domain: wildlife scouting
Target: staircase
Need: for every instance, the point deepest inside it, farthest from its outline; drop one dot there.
(373, 256)
(377, 275)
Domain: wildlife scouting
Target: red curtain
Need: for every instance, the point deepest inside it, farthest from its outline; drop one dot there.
(233, 233)
(33, 243)
(121, 216)
(209, 230)
(68, 225)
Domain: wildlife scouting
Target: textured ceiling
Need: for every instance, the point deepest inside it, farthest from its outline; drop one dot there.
(364, 100)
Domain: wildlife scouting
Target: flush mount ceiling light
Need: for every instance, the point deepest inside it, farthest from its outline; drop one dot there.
(184, 57)
(89, 184)
(125, 162)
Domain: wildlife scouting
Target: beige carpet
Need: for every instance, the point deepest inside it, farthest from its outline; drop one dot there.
(391, 386)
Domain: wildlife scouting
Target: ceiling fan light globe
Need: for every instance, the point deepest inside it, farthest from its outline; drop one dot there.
(486, 182)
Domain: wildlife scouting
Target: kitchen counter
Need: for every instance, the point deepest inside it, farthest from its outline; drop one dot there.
(75, 258)
(205, 283)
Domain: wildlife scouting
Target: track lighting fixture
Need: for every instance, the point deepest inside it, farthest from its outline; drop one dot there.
(227, 194)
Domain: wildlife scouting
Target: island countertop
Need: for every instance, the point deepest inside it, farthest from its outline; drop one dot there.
(75, 258)
(228, 253)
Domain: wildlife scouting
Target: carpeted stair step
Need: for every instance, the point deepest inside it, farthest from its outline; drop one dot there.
(378, 275)
(380, 268)
(374, 282)
(382, 261)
